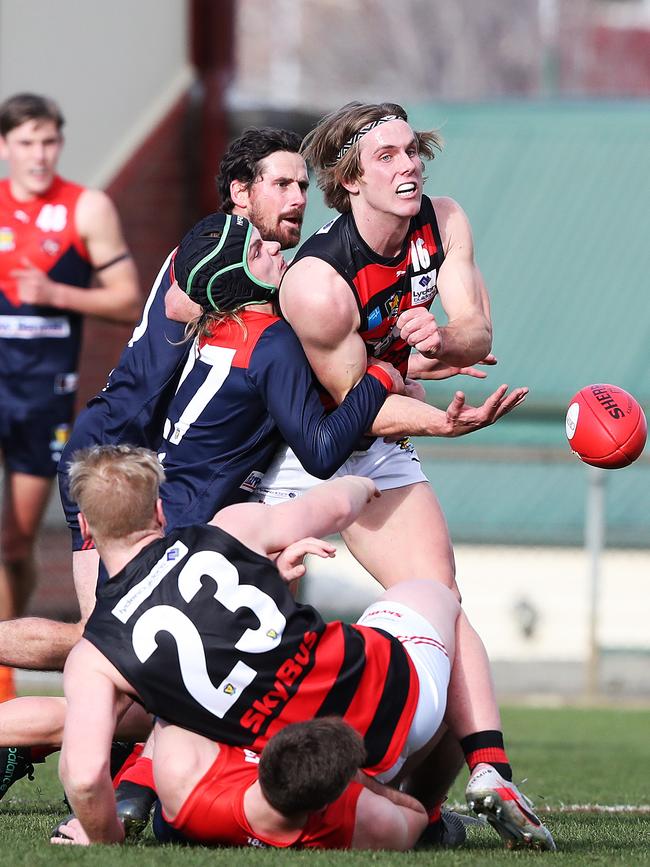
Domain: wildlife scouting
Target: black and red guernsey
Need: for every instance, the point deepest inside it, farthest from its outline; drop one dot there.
(210, 639)
(383, 287)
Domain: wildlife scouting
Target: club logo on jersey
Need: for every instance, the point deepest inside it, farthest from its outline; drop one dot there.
(60, 436)
(325, 229)
(7, 239)
(374, 318)
(50, 247)
(423, 287)
(392, 305)
(66, 383)
(252, 481)
(52, 218)
(407, 446)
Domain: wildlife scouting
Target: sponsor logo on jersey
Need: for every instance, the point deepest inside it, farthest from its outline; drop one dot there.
(32, 327)
(380, 346)
(285, 684)
(423, 287)
(21, 216)
(374, 318)
(252, 481)
(141, 591)
(66, 383)
(7, 239)
(251, 756)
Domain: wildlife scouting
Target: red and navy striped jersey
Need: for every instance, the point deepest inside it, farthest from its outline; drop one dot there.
(383, 287)
(247, 389)
(38, 342)
(210, 639)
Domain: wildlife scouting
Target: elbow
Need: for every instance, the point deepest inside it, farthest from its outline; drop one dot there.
(81, 780)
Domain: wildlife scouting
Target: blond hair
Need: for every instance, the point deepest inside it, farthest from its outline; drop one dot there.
(116, 488)
(332, 147)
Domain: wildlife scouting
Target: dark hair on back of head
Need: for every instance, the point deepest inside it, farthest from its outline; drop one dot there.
(308, 765)
(241, 161)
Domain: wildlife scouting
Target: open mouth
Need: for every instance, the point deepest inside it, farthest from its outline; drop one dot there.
(406, 189)
(293, 220)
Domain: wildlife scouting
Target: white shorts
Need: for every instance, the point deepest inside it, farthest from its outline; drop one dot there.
(429, 656)
(389, 465)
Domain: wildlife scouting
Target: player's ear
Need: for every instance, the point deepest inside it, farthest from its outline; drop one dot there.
(83, 526)
(160, 514)
(352, 186)
(239, 194)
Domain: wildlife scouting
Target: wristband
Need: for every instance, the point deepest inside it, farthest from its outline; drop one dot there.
(379, 373)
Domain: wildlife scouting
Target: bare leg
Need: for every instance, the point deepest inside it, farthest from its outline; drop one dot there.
(32, 721)
(402, 535)
(23, 504)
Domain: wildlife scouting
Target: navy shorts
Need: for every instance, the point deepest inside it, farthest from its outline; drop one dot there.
(32, 440)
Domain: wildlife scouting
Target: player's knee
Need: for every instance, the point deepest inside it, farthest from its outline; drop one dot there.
(16, 548)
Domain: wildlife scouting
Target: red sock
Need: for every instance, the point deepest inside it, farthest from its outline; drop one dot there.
(131, 759)
(139, 772)
(435, 813)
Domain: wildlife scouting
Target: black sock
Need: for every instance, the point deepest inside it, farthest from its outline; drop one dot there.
(487, 746)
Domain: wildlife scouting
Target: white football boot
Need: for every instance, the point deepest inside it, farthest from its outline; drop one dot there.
(508, 811)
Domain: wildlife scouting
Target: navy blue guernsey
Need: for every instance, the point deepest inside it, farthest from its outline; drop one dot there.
(131, 407)
(244, 391)
(383, 287)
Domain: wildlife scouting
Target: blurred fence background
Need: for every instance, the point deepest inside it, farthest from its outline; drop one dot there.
(544, 106)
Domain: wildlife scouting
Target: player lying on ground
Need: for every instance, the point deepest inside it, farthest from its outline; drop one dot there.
(277, 668)
(198, 626)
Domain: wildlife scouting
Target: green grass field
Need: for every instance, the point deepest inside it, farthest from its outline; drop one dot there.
(573, 759)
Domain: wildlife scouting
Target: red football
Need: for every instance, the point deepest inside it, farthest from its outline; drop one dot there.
(606, 426)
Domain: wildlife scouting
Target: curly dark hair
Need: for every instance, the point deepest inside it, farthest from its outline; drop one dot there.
(241, 162)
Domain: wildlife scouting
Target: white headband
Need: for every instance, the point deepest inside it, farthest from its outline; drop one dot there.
(363, 131)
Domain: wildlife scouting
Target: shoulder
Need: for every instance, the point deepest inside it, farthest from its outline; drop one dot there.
(452, 221)
(314, 296)
(94, 210)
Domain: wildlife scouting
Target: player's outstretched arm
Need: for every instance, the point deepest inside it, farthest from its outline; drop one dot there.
(402, 416)
(84, 767)
(325, 509)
